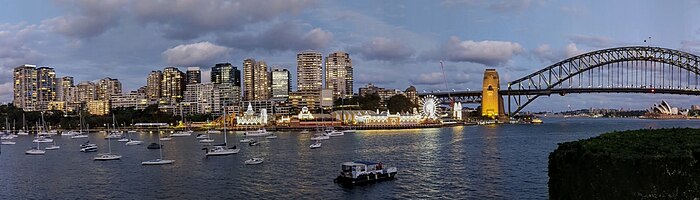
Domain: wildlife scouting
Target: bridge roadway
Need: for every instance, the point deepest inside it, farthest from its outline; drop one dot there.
(475, 96)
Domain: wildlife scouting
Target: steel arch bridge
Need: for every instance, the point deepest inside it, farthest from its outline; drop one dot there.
(635, 69)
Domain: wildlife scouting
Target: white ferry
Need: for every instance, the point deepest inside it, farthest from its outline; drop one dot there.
(360, 172)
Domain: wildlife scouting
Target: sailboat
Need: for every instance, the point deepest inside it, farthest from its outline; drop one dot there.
(315, 145)
(35, 151)
(114, 134)
(53, 146)
(221, 150)
(158, 161)
(80, 132)
(123, 139)
(40, 138)
(24, 126)
(108, 156)
(182, 133)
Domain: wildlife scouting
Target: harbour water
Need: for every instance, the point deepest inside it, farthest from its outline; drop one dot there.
(473, 162)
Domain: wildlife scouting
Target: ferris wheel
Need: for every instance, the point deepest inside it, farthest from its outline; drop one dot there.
(429, 107)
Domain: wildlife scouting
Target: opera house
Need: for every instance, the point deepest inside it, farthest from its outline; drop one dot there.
(664, 110)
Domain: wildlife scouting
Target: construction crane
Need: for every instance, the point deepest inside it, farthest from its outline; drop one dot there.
(444, 77)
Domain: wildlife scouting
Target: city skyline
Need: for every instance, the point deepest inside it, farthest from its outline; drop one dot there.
(381, 39)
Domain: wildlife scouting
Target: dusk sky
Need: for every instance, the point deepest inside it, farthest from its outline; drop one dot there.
(393, 44)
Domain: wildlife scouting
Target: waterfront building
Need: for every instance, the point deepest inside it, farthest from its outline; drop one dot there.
(225, 73)
(309, 71)
(210, 97)
(326, 99)
(194, 75)
(25, 87)
(305, 98)
(63, 87)
(386, 118)
(46, 87)
(383, 93)
(339, 74)
(412, 95)
(666, 109)
(87, 91)
(154, 84)
(225, 95)
(280, 83)
(173, 84)
(457, 111)
(108, 87)
(250, 118)
(134, 100)
(58, 105)
(98, 107)
(256, 80)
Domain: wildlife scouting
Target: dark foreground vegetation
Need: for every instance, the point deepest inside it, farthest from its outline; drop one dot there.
(639, 164)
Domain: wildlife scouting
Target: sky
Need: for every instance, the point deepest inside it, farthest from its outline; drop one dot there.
(392, 44)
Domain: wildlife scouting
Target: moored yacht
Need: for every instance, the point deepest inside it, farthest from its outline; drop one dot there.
(134, 142)
(315, 145)
(181, 134)
(258, 133)
(254, 161)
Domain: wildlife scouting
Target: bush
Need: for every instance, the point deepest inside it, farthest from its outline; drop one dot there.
(640, 164)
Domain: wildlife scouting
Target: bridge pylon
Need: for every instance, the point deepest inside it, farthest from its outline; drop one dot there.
(491, 100)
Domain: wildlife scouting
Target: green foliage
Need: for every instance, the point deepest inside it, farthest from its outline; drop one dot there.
(641, 164)
(399, 103)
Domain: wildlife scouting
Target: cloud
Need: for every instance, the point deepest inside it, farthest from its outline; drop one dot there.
(86, 18)
(193, 54)
(545, 53)
(511, 5)
(16, 42)
(504, 6)
(279, 37)
(381, 48)
(487, 52)
(691, 46)
(432, 78)
(593, 41)
(187, 19)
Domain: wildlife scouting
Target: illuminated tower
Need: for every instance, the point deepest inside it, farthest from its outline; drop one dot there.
(491, 103)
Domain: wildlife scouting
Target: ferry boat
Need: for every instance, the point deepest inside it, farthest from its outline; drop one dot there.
(360, 172)
(536, 121)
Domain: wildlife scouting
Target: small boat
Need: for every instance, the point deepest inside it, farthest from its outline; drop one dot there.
(320, 137)
(536, 121)
(154, 146)
(7, 142)
(107, 156)
(253, 143)
(202, 136)
(246, 140)
(213, 131)
(271, 137)
(131, 131)
(181, 134)
(258, 133)
(254, 161)
(315, 145)
(113, 135)
(35, 151)
(78, 136)
(88, 148)
(166, 139)
(335, 133)
(360, 172)
(123, 139)
(157, 161)
(42, 139)
(133, 142)
(206, 140)
(22, 133)
(69, 133)
(52, 147)
(221, 151)
(304, 131)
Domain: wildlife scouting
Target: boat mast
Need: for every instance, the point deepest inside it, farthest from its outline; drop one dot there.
(225, 141)
(160, 147)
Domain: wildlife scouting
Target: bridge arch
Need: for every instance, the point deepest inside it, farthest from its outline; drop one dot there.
(616, 70)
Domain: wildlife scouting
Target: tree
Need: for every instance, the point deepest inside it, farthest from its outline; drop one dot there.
(399, 103)
(369, 102)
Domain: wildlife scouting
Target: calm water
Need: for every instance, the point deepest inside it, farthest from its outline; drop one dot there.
(476, 162)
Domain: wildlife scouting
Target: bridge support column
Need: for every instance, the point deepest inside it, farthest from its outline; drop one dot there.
(491, 100)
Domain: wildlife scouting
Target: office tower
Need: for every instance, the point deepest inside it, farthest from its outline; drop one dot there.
(225, 73)
(280, 83)
(46, 86)
(309, 71)
(87, 91)
(153, 84)
(256, 80)
(339, 74)
(194, 75)
(173, 84)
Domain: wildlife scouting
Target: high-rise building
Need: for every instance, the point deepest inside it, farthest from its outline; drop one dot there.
(87, 91)
(339, 74)
(25, 87)
(194, 75)
(225, 73)
(46, 86)
(66, 90)
(309, 71)
(210, 98)
(154, 84)
(173, 84)
(280, 83)
(256, 80)
(108, 87)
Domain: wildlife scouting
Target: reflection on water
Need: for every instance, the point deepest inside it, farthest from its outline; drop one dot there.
(475, 162)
